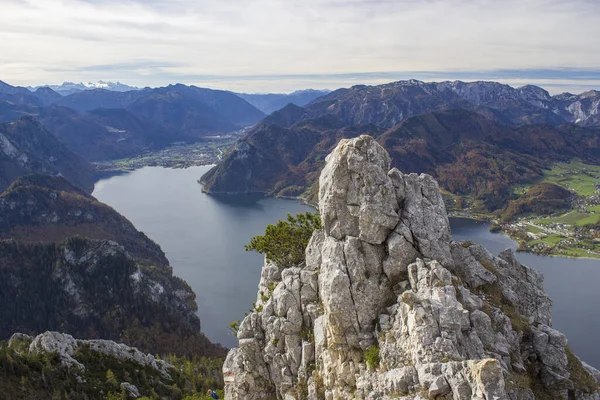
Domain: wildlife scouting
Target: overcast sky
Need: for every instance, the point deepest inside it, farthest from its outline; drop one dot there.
(284, 45)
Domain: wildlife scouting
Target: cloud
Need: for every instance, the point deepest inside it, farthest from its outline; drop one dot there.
(248, 43)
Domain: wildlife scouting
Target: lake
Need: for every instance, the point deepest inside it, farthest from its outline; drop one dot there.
(204, 236)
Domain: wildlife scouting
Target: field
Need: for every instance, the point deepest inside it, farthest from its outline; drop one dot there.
(572, 218)
(575, 176)
(562, 233)
(177, 156)
(580, 178)
(533, 229)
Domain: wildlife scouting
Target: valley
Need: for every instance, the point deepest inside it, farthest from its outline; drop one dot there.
(209, 151)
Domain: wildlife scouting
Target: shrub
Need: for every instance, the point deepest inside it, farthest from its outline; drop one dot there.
(234, 326)
(285, 242)
(372, 357)
(579, 375)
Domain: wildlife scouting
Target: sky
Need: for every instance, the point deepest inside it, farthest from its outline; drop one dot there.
(285, 45)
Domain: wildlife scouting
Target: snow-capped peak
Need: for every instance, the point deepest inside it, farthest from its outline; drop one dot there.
(67, 88)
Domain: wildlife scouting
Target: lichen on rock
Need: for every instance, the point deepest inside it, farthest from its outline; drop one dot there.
(445, 319)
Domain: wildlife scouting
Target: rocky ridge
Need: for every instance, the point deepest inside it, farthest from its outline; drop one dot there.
(387, 306)
(56, 365)
(65, 346)
(388, 104)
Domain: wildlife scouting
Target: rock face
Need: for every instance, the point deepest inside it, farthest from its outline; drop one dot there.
(388, 307)
(95, 289)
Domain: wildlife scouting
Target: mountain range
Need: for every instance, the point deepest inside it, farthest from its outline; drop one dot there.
(477, 138)
(108, 121)
(67, 88)
(387, 105)
(101, 124)
(283, 152)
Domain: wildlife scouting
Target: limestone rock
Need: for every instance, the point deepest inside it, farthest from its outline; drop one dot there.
(356, 197)
(388, 307)
(62, 344)
(19, 341)
(132, 390)
(66, 347)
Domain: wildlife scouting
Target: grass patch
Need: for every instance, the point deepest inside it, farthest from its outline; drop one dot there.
(533, 229)
(518, 381)
(372, 357)
(493, 296)
(572, 218)
(578, 252)
(580, 377)
(575, 175)
(551, 239)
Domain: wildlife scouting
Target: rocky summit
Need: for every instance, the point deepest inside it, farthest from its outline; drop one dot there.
(387, 306)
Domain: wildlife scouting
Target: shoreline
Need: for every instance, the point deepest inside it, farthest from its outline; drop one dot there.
(129, 165)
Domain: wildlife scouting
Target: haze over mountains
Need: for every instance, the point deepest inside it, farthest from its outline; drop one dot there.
(271, 102)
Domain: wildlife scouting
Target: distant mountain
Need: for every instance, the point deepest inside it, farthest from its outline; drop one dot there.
(105, 134)
(21, 95)
(74, 264)
(27, 147)
(468, 153)
(93, 99)
(190, 110)
(67, 88)
(195, 111)
(46, 96)
(102, 124)
(389, 104)
(10, 111)
(283, 153)
(271, 102)
(99, 135)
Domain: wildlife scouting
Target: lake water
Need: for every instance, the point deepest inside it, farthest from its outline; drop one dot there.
(204, 236)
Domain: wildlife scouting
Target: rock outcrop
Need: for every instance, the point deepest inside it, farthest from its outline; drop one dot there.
(386, 306)
(56, 365)
(67, 347)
